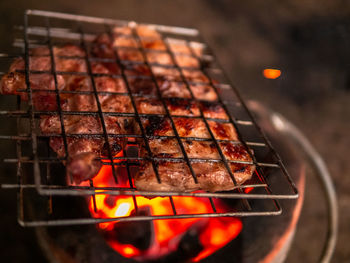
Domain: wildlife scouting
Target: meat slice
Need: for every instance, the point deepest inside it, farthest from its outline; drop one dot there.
(149, 106)
(235, 152)
(162, 58)
(179, 107)
(157, 126)
(142, 86)
(213, 110)
(190, 127)
(42, 84)
(223, 131)
(201, 149)
(45, 99)
(178, 46)
(111, 103)
(166, 148)
(195, 76)
(186, 61)
(83, 153)
(211, 176)
(173, 89)
(176, 177)
(203, 92)
(87, 149)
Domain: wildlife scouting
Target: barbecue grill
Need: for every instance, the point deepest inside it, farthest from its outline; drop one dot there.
(37, 168)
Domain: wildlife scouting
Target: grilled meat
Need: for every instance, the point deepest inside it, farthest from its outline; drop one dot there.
(176, 176)
(85, 146)
(88, 148)
(179, 107)
(211, 176)
(82, 152)
(149, 106)
(166, 148)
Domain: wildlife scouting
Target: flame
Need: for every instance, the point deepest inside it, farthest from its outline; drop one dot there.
(270, 73)
(214, 232)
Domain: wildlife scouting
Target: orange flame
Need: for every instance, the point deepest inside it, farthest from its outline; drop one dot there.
(215, 233)
(270, 73)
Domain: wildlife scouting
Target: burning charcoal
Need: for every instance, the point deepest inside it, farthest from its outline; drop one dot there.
(136, 233)
(189, 246)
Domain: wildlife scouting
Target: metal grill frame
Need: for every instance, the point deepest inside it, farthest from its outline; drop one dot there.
(183, 34)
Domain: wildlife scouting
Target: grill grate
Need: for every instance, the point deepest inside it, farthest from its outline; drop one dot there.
(249, 133)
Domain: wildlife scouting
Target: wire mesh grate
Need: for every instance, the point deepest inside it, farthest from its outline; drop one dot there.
(46, 32)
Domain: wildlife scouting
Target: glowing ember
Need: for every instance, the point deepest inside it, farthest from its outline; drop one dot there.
(271, 73)
(213, 233)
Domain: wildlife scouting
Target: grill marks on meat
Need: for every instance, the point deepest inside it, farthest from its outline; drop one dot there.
(109, 103)
(182, 107)
(235, 152)
(85, 143)
(157, 126)
(203, 92)
(149, 106)
(213, 110)
(84, 151)
(165, 148)
(211, 176)
(223, 131)
(188, 127)
(201, 149)
(176, 176)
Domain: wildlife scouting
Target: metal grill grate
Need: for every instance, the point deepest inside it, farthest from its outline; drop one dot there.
(82, 30)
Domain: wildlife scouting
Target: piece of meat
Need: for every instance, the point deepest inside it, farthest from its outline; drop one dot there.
(166, 148)
(149, 106)
(187, 61)
(179, 46)
(189, 127)
(213, 110)
(203, 92)
(181, 107)
(186, 127)
(142, 86)
(201, 149)
(82, 162)
(157, 126)
(83, 166)
(176, 176)
(14, 83)
(109, 103)
(211, 176)
(162, 58)
(173, 89)
(235, 152)
(223, 131)
(195, 76)
(80, 149)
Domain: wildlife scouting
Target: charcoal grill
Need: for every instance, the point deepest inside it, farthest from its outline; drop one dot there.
(42, 28)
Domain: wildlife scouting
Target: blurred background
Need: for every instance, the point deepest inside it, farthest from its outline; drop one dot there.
(308, 41)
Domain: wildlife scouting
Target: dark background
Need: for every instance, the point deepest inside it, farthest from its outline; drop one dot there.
(307, 40)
